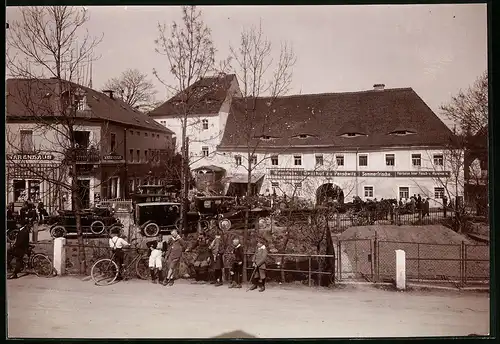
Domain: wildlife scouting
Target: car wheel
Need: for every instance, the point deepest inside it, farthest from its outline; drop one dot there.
(178, 225)
(151, 229)
(224, 224)
(57, 231)
(97, 227)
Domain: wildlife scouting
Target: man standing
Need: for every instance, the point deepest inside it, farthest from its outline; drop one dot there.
(237, 269)
(218, 264)
(157, 249)
(19, 249)
(174, 253)
(259, 264)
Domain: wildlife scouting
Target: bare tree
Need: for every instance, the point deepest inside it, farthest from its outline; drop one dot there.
(469, 109)
(134, 88)
(258, 75)
(190, 55)
(48, 47)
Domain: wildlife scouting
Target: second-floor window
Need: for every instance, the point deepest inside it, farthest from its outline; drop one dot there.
(205, 124)
(237, 160)
(113, 142)
(253, 160)
(340, 160)
(138, 155)
(390, 159)
(416, 160)
(319, 160)
(297, 160)
(27, 141)
(363, 160)
(274, 160)
(204, 151)
(438, 160)
(131, 155)
(82, 139)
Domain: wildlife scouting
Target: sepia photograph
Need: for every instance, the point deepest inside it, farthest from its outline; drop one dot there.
(309, 171)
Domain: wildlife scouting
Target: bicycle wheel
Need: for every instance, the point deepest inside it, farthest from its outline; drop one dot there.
(142, 267)
(42, 265)
(104, 271)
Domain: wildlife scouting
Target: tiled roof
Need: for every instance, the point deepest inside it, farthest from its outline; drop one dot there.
(205, 97)
(372, 118)
(34, 97)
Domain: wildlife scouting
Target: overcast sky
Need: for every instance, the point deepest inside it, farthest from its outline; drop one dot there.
(435, 49)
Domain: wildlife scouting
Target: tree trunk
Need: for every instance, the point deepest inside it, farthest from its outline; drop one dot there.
(75, 200)
(247, 215)
(184, 178)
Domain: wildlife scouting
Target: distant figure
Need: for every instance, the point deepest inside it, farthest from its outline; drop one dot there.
(174, 254)
(217, 262)
(42, 213)
(445, 201)
(419, 203)
(202, 260)
(426, 209)
(117, 245)
(259, 264)
(237, 268)
(20, 248)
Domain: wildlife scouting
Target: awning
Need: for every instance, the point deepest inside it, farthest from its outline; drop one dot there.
(210, 168)
(243, 178)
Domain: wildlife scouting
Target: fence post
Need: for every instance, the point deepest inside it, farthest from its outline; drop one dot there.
(339, 252)
(310, 272)
(60, 256)
(375, 257)
(400, 270)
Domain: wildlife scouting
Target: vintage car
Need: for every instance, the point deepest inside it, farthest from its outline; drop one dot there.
(97, 221)
(156, 217)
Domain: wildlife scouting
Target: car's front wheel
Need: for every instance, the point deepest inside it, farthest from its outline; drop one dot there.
(151, 230)
(97, 227)
(57, 231)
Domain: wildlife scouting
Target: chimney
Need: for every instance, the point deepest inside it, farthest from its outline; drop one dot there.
(379, 87)
(109, 93)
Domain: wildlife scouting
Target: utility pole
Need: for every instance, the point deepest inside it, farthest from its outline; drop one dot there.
(185, 185)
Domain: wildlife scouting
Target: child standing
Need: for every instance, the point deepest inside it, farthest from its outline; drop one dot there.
(237, 269)
(217, 251)
(157, 249)
(117, 245)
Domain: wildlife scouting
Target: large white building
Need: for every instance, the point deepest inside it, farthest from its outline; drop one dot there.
(380, 143)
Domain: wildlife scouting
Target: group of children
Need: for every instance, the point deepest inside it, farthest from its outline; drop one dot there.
(208, 264)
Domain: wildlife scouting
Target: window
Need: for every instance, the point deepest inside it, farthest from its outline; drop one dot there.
(146, 155)
(113, 142)
(297, 160)
(27, 141)
(146, 134)
(204, 151)
(369, 191)
(319, 160)
(131, 133)
(438, 160)
(138, 155)
(363, 160)
(205, 124)
(340, 160)
(416, 160)
(275, 184)
(439, 193)
(274, 160)
(237, 160)
(298, 185)
(390, 159)
(131, 155)
(164, 123)
(404, 192)
(82, 139)
(254, 160)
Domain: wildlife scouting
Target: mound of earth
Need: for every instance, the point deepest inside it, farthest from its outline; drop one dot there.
(432, 234)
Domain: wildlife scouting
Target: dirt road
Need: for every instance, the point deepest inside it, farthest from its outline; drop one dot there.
(72, 308)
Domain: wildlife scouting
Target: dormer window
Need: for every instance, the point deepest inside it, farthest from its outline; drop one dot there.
(304, 136)
(265, 137)
(402, 132)
(352, 134)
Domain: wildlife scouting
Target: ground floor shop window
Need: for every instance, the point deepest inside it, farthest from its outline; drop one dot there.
(26, 189)
(438, 193)
(404, 192)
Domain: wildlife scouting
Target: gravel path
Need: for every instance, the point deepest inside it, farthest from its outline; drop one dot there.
(71, 308)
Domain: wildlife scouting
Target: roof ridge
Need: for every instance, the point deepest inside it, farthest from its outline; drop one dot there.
(333, 93)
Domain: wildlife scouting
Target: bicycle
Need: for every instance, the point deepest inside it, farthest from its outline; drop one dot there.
(105, 271)
(38, 263)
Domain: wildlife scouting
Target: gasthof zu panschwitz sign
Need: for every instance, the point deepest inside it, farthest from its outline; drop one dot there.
(277, 173)
(30, 157)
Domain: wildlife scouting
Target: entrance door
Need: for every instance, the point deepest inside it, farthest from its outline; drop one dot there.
(84, 193)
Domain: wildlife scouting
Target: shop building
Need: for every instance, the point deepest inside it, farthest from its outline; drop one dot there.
(115, 145)
(380, 143)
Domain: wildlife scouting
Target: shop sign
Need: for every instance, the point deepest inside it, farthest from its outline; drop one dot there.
(113, 157)
(277, 173)
(30, 157)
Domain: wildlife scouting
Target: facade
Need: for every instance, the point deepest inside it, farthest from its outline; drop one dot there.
(115, 146)
(381, 143)
(208, 108)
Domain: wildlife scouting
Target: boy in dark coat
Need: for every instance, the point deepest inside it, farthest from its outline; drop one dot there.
(19, 249)
(237, 269)
(259, 264)
(218, 264)
(157, 249)
(174, 254)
